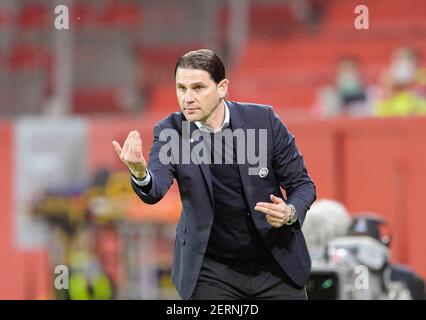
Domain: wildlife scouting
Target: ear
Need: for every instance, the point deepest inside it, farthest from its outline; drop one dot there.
(222, 88)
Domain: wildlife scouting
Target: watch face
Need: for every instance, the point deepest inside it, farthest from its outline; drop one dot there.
(293, 216)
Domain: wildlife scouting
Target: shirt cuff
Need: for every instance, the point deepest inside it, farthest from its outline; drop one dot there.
(144, 182)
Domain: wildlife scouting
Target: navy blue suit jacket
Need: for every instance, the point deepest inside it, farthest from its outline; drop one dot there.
(286, 169)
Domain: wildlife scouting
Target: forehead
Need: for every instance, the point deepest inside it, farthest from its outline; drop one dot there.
(188, 76)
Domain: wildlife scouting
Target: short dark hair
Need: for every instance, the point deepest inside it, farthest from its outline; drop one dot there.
(203, 59)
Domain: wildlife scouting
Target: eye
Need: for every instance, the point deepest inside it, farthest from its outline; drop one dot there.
(181, 89)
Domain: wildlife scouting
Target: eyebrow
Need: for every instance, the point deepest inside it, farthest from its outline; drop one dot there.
(198, 83)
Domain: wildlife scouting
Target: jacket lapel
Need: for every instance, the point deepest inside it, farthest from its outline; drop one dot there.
(238, 122)
(205, 168)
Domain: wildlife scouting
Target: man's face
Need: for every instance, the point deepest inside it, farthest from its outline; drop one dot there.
(197, 93)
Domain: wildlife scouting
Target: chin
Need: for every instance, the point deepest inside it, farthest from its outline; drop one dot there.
(192, 118)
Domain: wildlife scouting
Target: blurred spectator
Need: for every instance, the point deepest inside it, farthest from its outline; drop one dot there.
(88, 280)
(403, 85)
(349, 95)
(304, 11)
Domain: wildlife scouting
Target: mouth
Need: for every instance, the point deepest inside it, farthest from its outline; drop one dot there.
(191, 110)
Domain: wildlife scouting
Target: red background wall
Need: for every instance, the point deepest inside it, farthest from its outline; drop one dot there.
(11, 260)
(23, 274)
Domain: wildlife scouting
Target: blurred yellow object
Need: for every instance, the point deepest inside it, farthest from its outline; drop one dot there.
(81, 288)
(87, 280)
(404, 103)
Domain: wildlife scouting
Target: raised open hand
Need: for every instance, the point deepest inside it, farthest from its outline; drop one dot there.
(131, 154)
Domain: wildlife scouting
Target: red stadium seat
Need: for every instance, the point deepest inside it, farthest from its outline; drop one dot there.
(163, 98)
(83, 14)
(29, 57)
(272, 20)
(289, 71)
(385, 16)
(121, 15)
(6, 17)
(96, 101)
(34, 16)
(157, 63)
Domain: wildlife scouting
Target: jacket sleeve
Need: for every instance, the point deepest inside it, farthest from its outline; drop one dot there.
(291, 170)
(161, 174)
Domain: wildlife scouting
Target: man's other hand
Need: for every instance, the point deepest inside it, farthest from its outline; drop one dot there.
(277, 212)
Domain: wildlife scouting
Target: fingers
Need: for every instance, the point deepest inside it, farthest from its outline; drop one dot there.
(272, 206)
(131, 154)
(275, 222)
(276, 209)
(273, 209)
(276, 213)
(131, 150)
(262, 209)
(136, 147)
(274, 218)
(127, 144)
(276, 200)
(139, 147)
(270, 211)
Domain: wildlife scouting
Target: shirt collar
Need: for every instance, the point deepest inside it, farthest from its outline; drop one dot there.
(225, 123)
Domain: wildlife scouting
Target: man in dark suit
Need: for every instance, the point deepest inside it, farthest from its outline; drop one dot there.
(237, 238)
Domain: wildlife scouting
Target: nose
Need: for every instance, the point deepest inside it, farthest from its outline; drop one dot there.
(188, 96)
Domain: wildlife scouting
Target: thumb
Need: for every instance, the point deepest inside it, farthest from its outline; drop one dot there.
(276, 200)
(117, 147)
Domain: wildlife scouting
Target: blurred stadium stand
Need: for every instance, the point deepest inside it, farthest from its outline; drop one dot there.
(124, 51)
